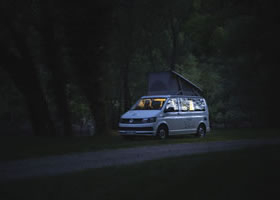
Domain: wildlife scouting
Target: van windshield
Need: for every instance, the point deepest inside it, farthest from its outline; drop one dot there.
(149, 104)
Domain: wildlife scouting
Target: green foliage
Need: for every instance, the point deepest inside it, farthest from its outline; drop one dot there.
(207, 77)
(218, 39)
(78, 105)
(104, 52)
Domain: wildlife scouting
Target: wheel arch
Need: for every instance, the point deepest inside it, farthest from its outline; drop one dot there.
(162, 124)
(203, 125)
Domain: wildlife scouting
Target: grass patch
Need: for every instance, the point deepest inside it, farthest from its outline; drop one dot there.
(243, 174)
(23, 147)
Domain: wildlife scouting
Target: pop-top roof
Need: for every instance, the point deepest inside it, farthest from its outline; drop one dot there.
(171, 83)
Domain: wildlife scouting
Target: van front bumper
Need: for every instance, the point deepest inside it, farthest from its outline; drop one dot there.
(137, 129)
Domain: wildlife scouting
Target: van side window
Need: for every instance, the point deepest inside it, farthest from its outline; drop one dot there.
(173, 103)
(199, 104)
(195, 104)
(187, 104)
(191, 104)
(184, 104)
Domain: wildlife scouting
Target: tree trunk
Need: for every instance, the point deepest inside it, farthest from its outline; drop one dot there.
(93, 90)
(126, 91)
(129, 51)
(54, 64)
(174, 44)
(88, 36)
(151, 58)
(59, 88)
(23, 72)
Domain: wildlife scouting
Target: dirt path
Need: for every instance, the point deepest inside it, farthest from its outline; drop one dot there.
(56, 165)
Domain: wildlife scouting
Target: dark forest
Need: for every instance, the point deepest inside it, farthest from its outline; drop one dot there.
(62, 62)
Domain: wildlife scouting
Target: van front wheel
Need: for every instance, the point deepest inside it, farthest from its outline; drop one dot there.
(162, 132)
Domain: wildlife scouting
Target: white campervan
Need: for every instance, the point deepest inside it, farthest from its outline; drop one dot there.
(174, 106)
(166, 115)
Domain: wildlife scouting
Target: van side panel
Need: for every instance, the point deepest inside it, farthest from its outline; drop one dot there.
(183, 119)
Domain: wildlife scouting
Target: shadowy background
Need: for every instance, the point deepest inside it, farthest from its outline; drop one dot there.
(74, 68)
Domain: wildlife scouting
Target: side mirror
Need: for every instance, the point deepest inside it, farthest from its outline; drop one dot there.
(170, 109)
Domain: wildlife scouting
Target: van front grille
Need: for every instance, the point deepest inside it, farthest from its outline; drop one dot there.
(131, 121)
(136, 128)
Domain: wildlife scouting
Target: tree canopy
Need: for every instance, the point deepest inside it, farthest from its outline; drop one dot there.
(62, 61)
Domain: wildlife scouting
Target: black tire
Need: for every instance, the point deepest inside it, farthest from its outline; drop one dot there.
(162, 132)
(201, 131)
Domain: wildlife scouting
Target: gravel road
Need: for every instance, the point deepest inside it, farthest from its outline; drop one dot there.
(56, 165)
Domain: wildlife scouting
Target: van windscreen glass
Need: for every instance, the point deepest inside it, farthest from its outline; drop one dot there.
(149, 104)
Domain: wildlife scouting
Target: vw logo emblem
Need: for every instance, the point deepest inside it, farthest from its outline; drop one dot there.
(131, 121)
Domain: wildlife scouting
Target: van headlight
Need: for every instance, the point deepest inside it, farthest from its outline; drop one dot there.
(149, 120)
